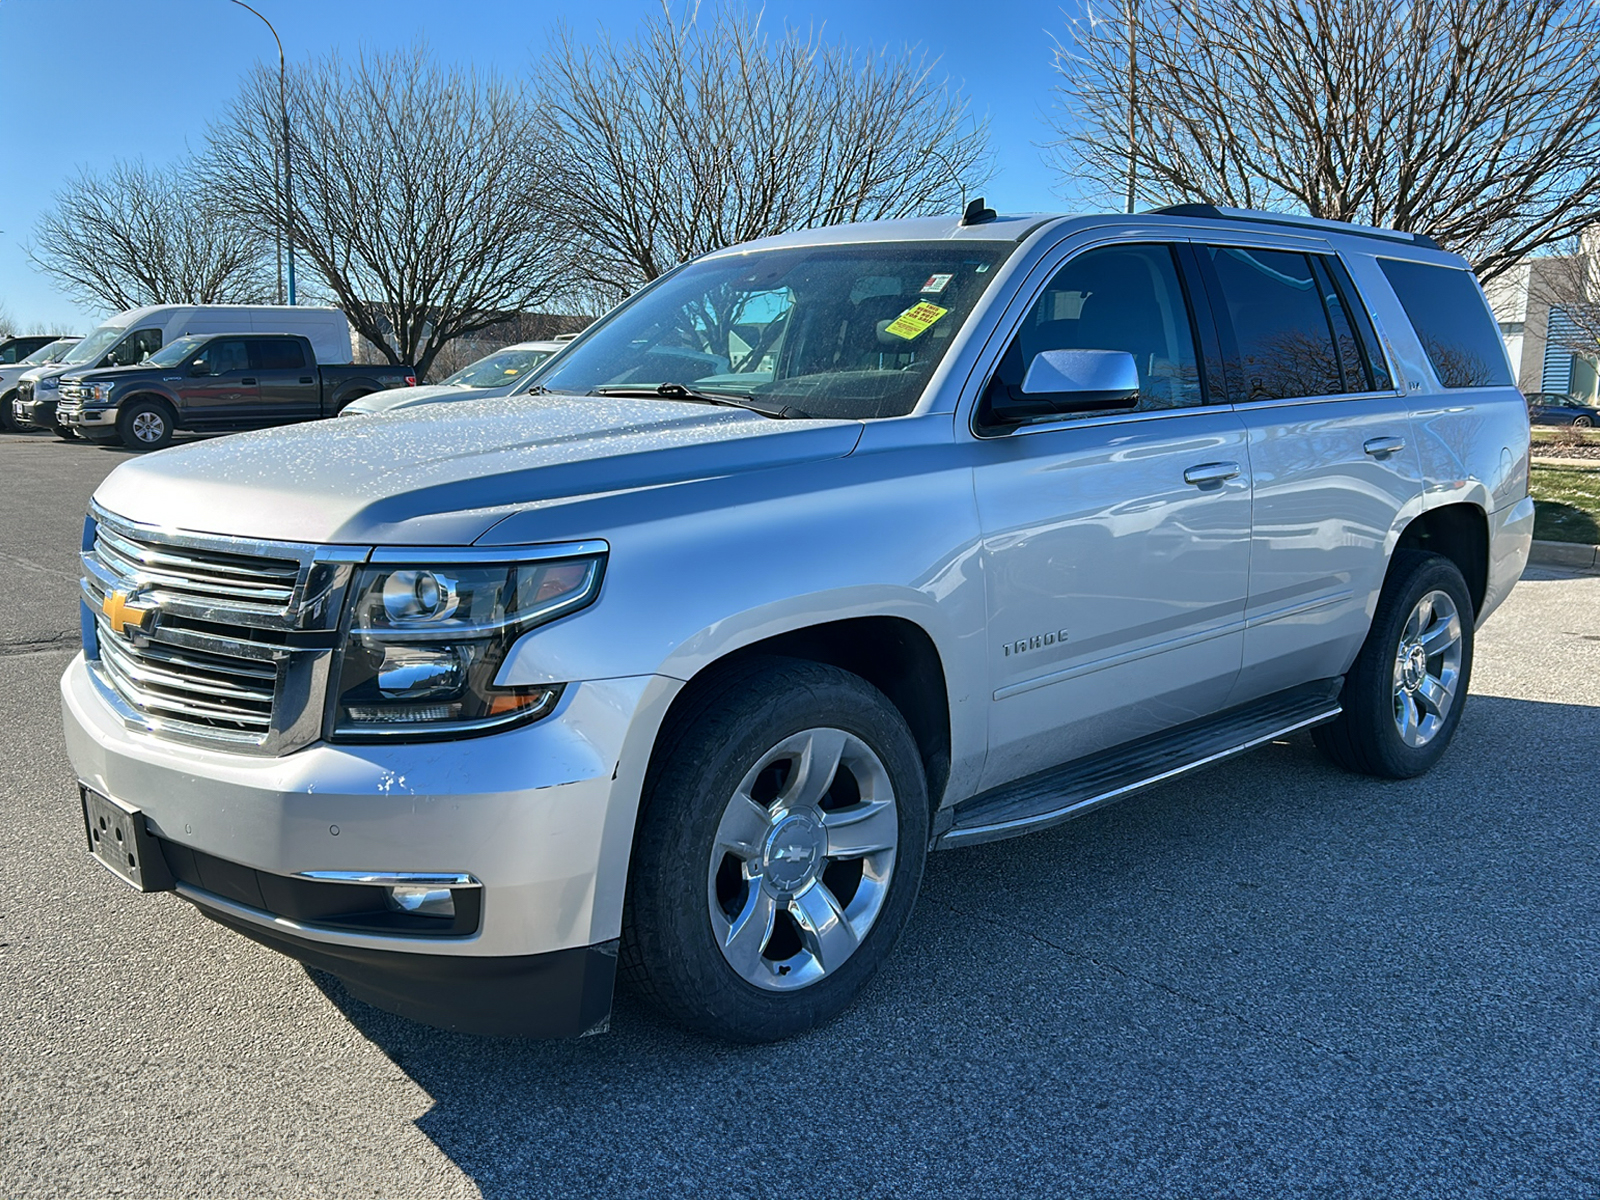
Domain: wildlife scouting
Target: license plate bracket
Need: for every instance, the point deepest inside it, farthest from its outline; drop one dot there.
(120, 842)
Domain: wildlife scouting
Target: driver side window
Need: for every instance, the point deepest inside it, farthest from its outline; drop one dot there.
(1124, 298)
(219, 358)
(135, 348)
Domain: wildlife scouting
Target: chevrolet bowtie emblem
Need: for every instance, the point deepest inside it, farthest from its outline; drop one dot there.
(123, 611)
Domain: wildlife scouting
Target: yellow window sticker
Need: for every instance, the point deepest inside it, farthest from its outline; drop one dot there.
(914, 322)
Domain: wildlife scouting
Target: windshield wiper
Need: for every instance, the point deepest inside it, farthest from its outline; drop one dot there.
(678, 391)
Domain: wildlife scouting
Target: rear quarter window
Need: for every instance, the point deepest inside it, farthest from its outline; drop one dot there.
(1452, 321)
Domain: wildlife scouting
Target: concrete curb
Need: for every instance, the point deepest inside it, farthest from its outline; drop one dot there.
(1572, 555)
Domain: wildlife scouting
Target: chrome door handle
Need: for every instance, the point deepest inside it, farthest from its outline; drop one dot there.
(1208, 473)
(1377, 447)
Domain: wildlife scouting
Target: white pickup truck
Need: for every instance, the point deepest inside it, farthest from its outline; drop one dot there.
(818, 554)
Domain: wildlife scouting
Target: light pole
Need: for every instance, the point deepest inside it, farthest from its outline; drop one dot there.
(288, 174)
(1132, 12)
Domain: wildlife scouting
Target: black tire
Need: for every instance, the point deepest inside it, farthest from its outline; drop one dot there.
(346, 401)
(670, 953)
(1582, 422)
(65, 432)
(1366, 737)
(8, 421)
(145, 425)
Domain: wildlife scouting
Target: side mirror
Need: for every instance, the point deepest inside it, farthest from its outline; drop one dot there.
(199, 368)
(1083, 381)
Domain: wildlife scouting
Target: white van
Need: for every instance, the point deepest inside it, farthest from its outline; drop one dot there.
(133, 336)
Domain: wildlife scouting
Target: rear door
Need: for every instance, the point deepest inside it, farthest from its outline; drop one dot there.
(286, 379)
(1331, 453)
(218, 388)
(1115, 548)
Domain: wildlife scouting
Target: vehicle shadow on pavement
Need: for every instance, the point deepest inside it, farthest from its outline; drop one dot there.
(1267, 978)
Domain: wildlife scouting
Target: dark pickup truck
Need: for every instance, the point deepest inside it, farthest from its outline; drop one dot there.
(215, 383)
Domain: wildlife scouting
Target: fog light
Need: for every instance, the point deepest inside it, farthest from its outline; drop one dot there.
(423, 900)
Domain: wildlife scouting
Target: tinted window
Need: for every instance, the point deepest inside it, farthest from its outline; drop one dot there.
(135, 348)
(221, 357)
(12, 353)
(1452, 322)
(276, 354)
(1284, 341)
(1114, 298)
(1377, 369)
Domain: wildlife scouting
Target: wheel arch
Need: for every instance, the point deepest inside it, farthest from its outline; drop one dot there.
(149, 397)
(894, 654)
(1459, 532)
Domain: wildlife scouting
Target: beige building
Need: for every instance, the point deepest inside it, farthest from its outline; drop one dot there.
(1549, 313)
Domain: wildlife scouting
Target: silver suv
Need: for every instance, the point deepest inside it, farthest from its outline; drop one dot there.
(819, 554)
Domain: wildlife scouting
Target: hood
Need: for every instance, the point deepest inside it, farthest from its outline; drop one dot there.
(444, 474)
(391, 398)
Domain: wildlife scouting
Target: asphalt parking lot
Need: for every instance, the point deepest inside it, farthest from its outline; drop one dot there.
(1270, 979)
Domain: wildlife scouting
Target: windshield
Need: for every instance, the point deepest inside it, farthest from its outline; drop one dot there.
(50, 353)
(173, 354)
(850, 331)
(498, 370)
(96, 344)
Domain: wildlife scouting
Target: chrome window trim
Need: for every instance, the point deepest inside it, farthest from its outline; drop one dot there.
(455, 879)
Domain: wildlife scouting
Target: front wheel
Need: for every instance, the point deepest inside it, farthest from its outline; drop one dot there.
(1582, 422)
(778, 853)
(1404, 696)
(145, 426)
(65, 432)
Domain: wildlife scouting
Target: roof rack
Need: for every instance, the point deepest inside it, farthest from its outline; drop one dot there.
(1216, 213)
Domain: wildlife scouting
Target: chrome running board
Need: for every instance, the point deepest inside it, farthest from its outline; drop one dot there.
(1061, 793)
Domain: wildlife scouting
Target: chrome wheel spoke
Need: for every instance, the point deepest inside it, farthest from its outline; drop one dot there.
(823, 928)
(1407, 718)
(750, 932)
(742, 829)
(1441, 635)
(861, 829)
(815, 766)
(1434, 697)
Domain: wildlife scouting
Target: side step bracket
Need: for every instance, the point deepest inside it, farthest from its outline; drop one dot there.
(1061, 793)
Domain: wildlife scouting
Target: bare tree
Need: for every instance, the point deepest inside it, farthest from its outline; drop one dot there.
(703, 131)
(1568, 279)
(411, 198)
(143, 235)
(8, 323)
(1475, 121)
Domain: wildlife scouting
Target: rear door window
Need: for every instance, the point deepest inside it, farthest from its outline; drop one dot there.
(276, 354)
(1446, 308)
(1284, 345)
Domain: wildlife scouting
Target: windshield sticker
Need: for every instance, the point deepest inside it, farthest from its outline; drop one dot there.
(937, 283)
(914, 322)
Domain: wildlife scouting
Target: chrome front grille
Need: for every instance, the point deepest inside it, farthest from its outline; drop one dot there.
(232, 697)
(236, 581)
(237, 649)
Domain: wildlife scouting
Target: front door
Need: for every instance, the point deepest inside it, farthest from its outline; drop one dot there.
(220, 389)
(1116, 548)
(1331, 452)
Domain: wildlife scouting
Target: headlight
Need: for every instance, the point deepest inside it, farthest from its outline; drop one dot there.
(424, 644)
(100, 391)
(49, 383)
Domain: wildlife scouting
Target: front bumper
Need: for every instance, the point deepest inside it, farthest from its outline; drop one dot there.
(91, 419)
(541, 816)
(36, 412)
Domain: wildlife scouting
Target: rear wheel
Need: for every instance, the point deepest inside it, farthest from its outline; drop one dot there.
(145, 425)
(8, 420)
(778, 853)
(1404, 696)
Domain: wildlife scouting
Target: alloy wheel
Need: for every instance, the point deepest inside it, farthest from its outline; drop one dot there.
(1427, 668)
(802, 859)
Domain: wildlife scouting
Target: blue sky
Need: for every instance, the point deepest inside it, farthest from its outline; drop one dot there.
(88, 81)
